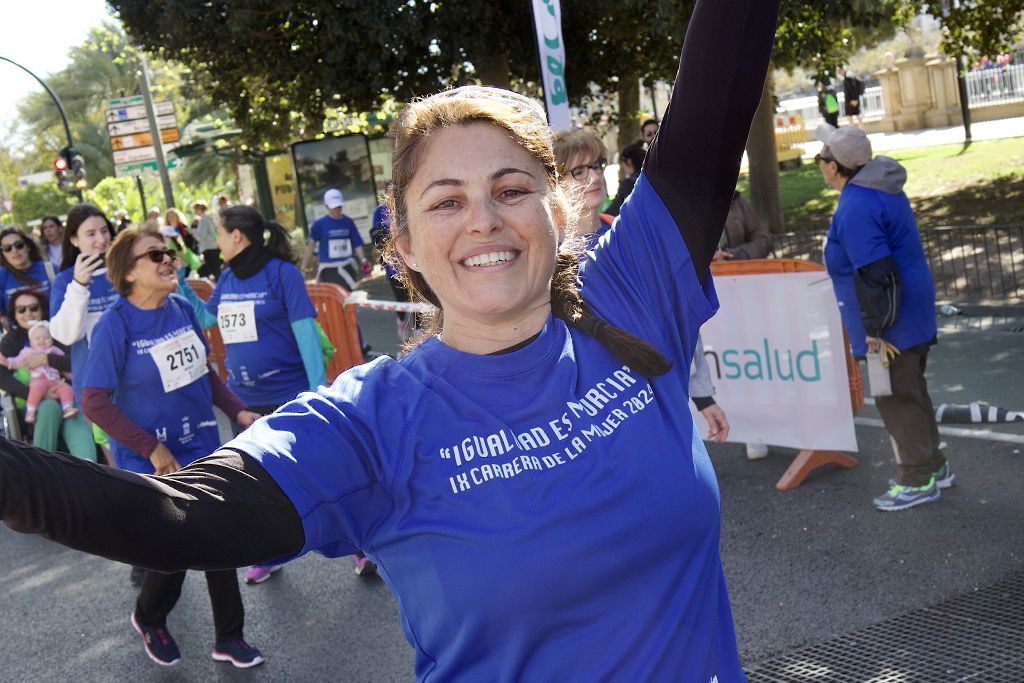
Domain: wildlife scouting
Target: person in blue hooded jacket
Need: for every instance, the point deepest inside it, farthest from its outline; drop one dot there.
(886, 299)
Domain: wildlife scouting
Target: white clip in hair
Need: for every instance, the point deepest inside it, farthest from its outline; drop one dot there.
(520, 103)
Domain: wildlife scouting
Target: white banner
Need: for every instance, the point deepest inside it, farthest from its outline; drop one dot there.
(778, 362)
(547, 19)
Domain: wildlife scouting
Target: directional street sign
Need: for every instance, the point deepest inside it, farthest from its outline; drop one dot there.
(143, 139)
(131, 139)
(140, 167)
(137, 111)
(141, 125)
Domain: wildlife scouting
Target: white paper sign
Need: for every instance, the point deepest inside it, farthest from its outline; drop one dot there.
(339, 249)
(181, 360)
(237, 322)
(778, 362)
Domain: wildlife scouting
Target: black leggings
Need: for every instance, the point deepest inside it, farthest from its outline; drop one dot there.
(160, 593)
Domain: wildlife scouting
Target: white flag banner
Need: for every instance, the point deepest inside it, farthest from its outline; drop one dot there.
(547, 20)
(778, 362)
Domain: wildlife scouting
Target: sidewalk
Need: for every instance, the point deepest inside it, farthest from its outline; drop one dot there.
(887, 142)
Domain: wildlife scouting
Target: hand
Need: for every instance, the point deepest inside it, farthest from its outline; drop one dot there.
(367, 268)
(854, 103)
(246, 417)
(721, 255)
(163, 461)
(718, 426)
(35, 360)
(85, 266)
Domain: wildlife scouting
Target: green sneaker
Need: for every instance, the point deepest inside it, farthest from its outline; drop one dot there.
(945, 478)
(900, 497)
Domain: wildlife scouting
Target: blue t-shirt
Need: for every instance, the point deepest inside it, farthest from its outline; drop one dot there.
(267, 369)
(10, 284)
(869, 225)
(510, 499)
(141, 354)
(101, 295)
(336, 238)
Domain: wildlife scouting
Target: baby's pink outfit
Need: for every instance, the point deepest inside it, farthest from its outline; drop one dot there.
(42, 379)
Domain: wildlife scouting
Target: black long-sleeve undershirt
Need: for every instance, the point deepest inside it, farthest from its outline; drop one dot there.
(225, 510)
(694, 161)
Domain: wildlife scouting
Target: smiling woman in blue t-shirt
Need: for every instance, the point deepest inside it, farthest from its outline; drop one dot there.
(148, 385)
(264, 313)
(528, 478)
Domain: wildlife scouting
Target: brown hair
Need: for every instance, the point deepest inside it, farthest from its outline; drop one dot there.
(33, 255)
(514, 115)
(121, 257)
(578, 143)
(76, 216)
(41, 298)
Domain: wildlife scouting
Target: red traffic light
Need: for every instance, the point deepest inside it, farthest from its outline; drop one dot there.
(60, 164)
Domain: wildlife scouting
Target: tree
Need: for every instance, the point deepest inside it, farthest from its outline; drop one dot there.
(815, 34)
(32, 202)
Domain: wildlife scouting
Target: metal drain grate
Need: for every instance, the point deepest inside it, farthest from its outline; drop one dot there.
(977, 637)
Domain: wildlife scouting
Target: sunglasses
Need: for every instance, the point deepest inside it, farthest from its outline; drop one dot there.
(31, 308)
(158, 255)
(581, 172)
(818, 158)
(12, 246)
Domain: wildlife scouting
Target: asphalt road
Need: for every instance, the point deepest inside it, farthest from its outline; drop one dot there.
(802, 566)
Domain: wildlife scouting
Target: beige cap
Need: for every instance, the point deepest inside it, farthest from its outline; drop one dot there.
(848, 145)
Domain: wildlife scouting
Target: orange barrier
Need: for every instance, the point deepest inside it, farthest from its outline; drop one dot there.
(806, 460)
(339, 323)
(204, 290)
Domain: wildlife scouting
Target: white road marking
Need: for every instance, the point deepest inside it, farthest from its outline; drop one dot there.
(954, 431)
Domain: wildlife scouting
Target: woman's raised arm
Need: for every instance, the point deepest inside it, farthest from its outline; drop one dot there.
(695, 159)
(221, 512)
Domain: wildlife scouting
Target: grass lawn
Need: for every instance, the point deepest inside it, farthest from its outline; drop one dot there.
(947, 185)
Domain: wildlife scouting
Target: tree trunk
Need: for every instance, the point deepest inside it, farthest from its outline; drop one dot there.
(492, 68)
(629, 113)
(765, 196)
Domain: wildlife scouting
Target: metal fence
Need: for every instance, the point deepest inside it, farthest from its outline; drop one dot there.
(871, 106)
(996, 85)
(970, 264)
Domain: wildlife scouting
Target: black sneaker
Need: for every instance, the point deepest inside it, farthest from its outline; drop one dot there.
(238, 652)
(160, 646)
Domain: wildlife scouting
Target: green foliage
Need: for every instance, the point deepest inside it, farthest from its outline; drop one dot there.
(33, 202)
(975, 28)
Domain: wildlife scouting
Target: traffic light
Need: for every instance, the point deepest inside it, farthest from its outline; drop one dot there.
(69, 169)
(60, 171)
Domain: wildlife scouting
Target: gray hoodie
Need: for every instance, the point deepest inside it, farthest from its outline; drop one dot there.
(881, 173)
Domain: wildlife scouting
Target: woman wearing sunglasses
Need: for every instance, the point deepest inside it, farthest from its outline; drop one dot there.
(527, 478)
(81, 291)
(28, 306)
(21, 265)
(148, 385)
(582, 158)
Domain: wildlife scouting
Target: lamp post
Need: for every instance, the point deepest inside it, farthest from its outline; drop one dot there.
(56, 100)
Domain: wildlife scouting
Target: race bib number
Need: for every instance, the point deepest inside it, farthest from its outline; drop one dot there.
(237, 322)
(181, 360)
(339, 249)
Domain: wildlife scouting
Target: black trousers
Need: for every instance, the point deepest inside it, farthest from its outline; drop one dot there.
(910, 419)
(160, 593)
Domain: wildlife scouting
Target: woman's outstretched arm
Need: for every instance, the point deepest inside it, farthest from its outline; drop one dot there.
(695, 159)
(220, 512)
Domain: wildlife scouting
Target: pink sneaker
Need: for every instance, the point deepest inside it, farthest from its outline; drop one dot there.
(362, 565)
(260, 573)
